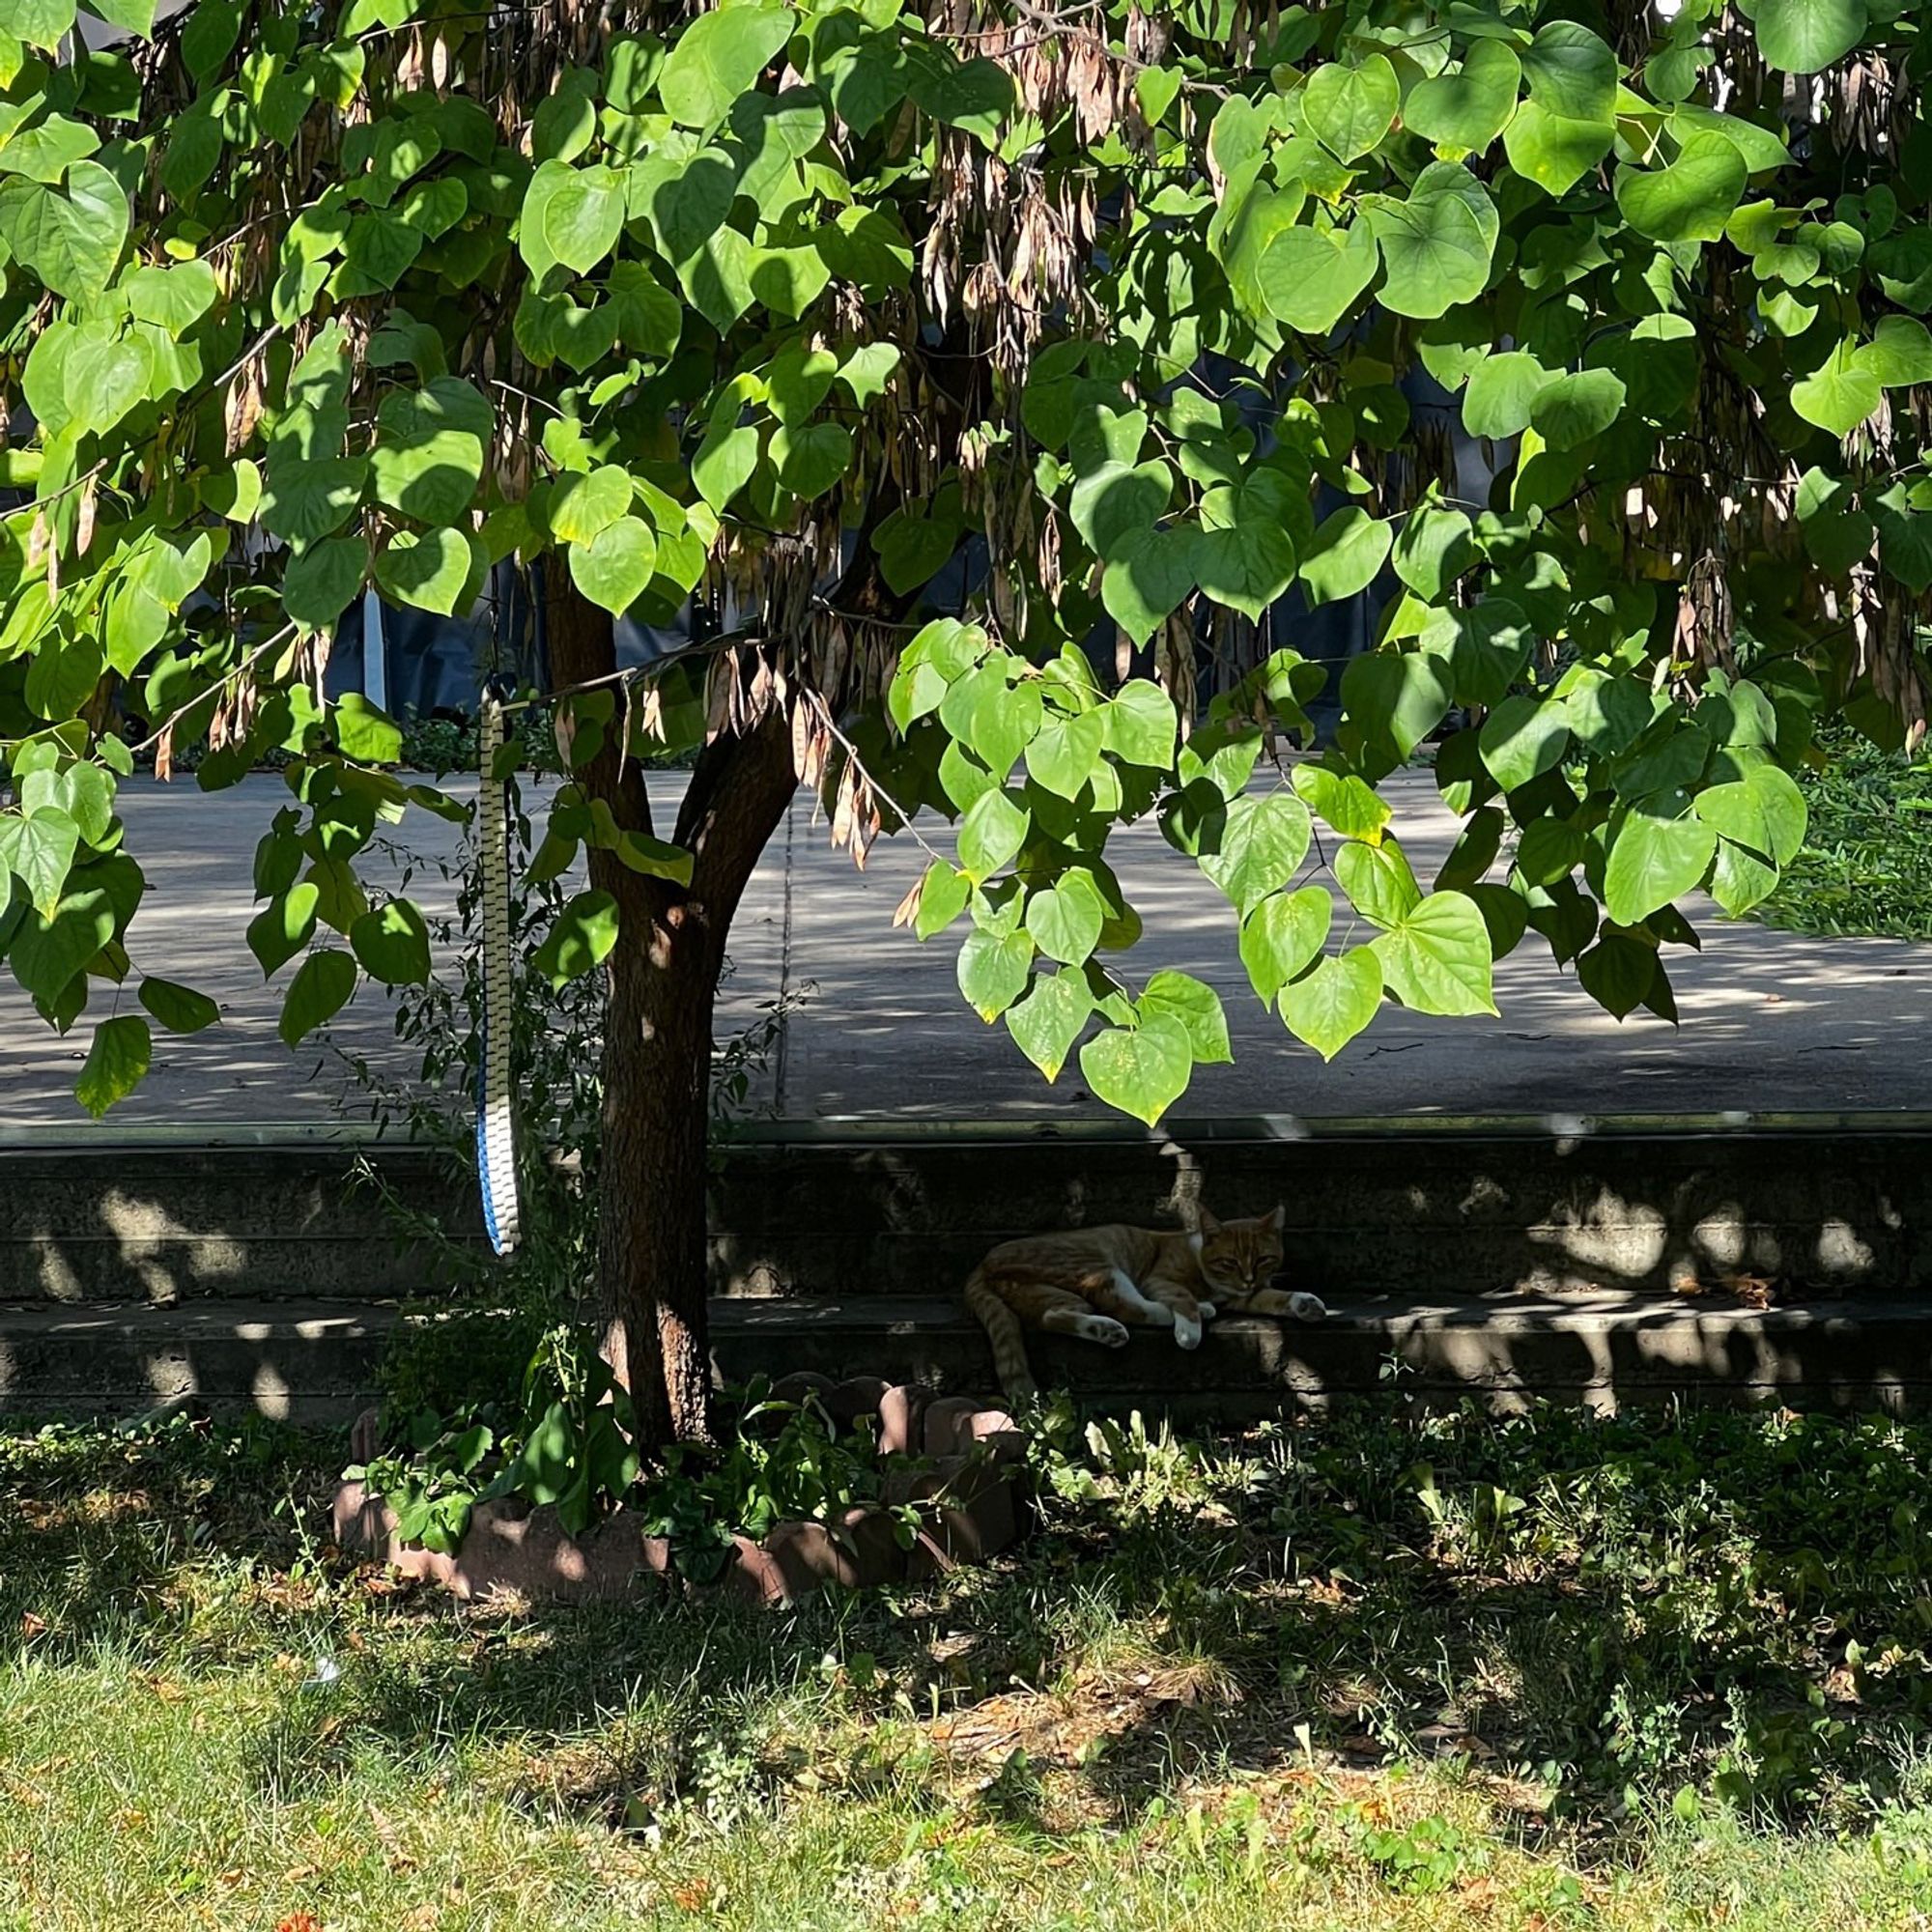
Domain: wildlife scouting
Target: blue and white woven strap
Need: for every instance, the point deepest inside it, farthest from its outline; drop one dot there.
(496, 1136)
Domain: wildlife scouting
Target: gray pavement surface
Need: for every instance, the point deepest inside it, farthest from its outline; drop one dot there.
(1773, 1022)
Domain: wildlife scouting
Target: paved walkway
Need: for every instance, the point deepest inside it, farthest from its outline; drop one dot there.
(1773, 1022)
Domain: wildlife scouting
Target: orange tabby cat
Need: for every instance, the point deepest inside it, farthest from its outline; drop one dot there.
(1098, 1282)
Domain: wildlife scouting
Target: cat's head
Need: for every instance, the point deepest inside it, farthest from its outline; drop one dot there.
(1239, 1259)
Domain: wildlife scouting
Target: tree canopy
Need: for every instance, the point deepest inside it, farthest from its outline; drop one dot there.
(920, 347)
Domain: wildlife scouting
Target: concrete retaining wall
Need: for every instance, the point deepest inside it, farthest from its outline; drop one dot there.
(1429, 1208)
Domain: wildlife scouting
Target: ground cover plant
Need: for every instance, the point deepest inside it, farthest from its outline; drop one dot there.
(1385, 1669)
(977, 389)
(1866, 868)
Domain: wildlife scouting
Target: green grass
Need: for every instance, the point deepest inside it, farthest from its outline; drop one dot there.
(1379, 1672)
(1866, 866)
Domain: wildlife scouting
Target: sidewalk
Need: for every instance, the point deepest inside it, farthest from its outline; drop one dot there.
(1773, 1022)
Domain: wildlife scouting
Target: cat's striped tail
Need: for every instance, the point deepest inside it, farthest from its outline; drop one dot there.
(1009, 1338)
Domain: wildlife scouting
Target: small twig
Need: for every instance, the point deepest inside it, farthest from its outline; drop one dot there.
(831, 723)
(262, 650)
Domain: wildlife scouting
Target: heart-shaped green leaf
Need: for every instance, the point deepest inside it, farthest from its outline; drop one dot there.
(116, 1062)
(1282, 935)
(1140, 1070)
(615, 567)
(1436, 958)
(1348, 109)
(1329, 1007)
(1312, 277)
(1655, 859)
(319, 991)
(1045, 1024)
(1262, 843)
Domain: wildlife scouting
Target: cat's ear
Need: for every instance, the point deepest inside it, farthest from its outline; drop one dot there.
(1275, 1221)
(1209, 1227)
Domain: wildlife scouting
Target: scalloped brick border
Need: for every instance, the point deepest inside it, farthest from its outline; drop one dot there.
(957, 1460)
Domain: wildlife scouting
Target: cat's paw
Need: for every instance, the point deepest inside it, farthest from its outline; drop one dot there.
(1103, 1329)
(1207, 1310)
(1187, 1333)
(1306, 1307)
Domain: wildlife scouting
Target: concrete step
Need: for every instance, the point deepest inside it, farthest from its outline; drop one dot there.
(316, 1360)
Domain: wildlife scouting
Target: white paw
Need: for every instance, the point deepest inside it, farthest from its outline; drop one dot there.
(1187, 1333)
(1103, 1329)
(1207, 1310)
(1306, 1307)
(1158, 1315)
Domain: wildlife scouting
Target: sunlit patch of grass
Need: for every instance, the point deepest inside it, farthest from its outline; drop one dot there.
(1441, 1671)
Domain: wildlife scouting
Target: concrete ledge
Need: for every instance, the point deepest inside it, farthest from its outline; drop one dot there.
(1467, 1206)
(316, 1361)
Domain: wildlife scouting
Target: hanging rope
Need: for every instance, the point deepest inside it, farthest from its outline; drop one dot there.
(495, 1134)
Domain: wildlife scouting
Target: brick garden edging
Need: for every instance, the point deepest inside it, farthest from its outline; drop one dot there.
(955, 1460)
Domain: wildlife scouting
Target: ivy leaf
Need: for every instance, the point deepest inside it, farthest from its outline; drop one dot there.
(1140, 1070)
(391, 944)
(319, 991)
(1045, 1024)
(1436, 245)
(1805, 36)
(116, 1062)
(1691, 199)
(1311, 278)
(718, 58)
(1328, 1007)
(615, 567)
(580, 937)
(1262, 843)
(1282, 936)
(1348, 109)
(1654, 861)
(1436, 958)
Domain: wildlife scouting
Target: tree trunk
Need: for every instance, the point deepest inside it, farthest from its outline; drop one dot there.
(652, 1262)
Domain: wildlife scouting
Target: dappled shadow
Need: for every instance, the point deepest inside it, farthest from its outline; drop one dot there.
(1728, 1601)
